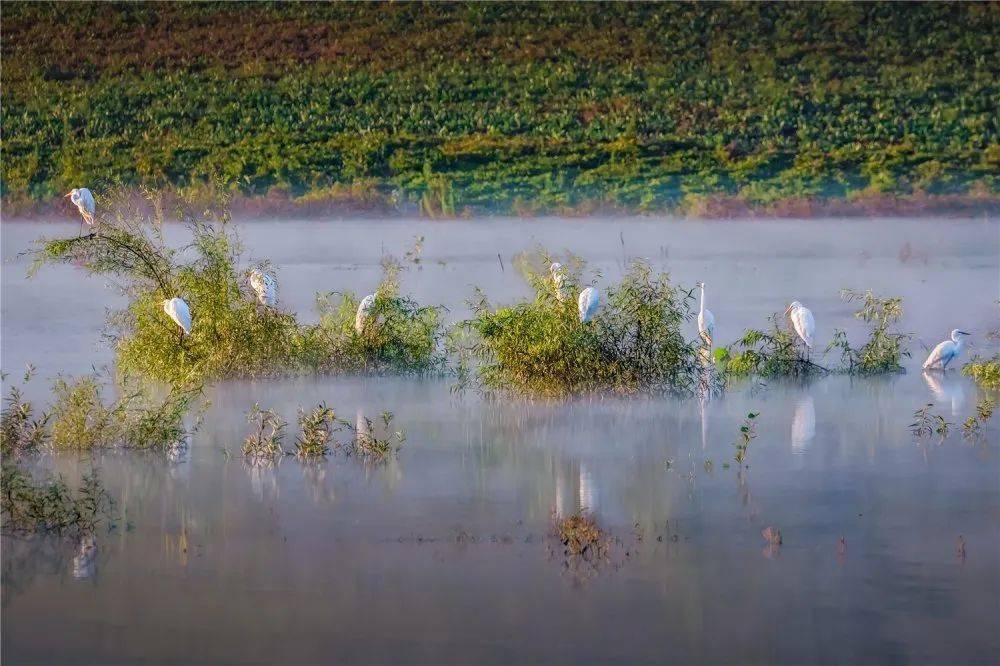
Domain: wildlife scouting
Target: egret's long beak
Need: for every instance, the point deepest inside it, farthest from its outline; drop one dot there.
(67, 195)
(788, 309)
(965, 333)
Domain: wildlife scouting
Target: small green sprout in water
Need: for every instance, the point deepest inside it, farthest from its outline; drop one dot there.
(984, 410)
(885, 348)
(941, 427)
(316, 430)
(264, 441)
(971, 429)
(29, 505)
(923, 422)
(748, 432)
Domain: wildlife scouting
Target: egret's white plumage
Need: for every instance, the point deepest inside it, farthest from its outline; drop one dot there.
(265, 286)
(946, 351)
(559, 280)
(364, 310)
(178, 310)
(706, 320)
(84, 201)
(589, 301)
(802, 322)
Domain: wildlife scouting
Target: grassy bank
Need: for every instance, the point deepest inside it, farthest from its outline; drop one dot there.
(453, 109)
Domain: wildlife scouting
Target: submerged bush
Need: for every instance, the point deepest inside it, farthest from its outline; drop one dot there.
(231, 334)
(985, 372)
(885, 348)
(81, 420)
(376, 442)
(632, 344)
(316, 430)
(264, 440)
(774, 353)
(30, 505)
(396, 335)
(20, 431)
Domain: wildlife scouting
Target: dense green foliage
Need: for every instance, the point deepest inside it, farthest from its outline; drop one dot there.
(985, 371)
(777, 352)
(231, 333)
(496, 106)
(540, 347)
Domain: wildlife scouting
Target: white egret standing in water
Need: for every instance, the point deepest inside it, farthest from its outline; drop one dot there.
(364, 310)
(802, 322)
(265, 286)
(706, 320)
(84, 201)
(946, 351)
(589, 301)
(559, 280)
(178, 310)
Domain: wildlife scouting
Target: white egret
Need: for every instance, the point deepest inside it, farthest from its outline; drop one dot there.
(265, 286)
(802, 322)
(589, 301)
(178, 310)
(364, 310)
(559, 280)
(706, 320)
(84, 201)
(946, 351)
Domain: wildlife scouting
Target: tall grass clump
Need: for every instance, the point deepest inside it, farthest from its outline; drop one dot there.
(633, 343)
(266, 434)
(397, 334)
(20, 430)
(316, 428)
(885, 347)
(29, 505)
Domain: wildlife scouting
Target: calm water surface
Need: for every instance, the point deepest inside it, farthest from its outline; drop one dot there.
(443, 555)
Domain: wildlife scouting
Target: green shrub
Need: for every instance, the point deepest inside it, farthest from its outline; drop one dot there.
(775, 353)
(376, 442)
(633, 343)
(398, 335)
(20, 431)
(316, 431)
(885, 348)
(264, 441)
(985, 372)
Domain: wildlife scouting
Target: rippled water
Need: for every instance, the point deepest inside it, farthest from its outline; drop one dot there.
(443, 555)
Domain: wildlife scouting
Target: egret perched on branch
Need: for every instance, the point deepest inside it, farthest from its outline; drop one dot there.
(559, 280)
(84, 201)
(706, 320)
(364, 311)
(265, 286)
(802, 322)
(589, 301)
(946, 351)
(178, 310)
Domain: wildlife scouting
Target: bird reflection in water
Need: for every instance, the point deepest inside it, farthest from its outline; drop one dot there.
(947, 390)
(576, 490)
(85, 559)
(803, 424)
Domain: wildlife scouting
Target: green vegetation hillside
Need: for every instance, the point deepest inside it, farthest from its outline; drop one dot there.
(502, 107)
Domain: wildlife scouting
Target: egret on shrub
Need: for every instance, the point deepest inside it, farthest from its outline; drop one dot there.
(265, 286)
(84, 201)
(178, 310)
(559, 280)
(946, 351)
(802, 322)
(706, 320)
(588, 303)
(364, 310)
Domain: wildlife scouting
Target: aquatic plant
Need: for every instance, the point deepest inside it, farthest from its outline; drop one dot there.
(974, 426)
(397, 335)
(581, 535)
(20, 431)
(885, 348)
(926, 423)
(773, 353)
(971, 428)
(633, 344)
(316, 430)
(748, 433)
(985, 372)
(264, 440)
(376, 442)
(984, 409)
(29, 505)
(83, 420)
